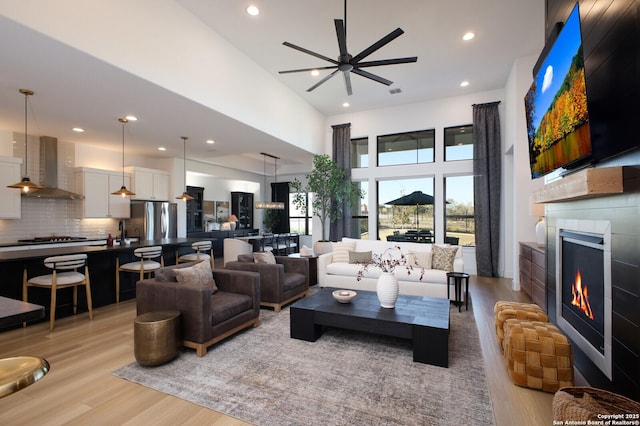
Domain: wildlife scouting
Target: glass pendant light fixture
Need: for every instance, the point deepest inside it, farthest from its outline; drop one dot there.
(25, 184)
(123, 191)
(184, 196)
(269, 204)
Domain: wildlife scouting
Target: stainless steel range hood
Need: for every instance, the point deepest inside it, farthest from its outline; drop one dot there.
(49, 173)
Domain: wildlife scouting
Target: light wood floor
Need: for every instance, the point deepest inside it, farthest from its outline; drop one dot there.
(80, 389)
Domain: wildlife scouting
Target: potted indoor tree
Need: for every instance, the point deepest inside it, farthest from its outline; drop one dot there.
(330, 189)
(271, 219)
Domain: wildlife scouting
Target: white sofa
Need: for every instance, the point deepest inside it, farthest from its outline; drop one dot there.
(344, 275)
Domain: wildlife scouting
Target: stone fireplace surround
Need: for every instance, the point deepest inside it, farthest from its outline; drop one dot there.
(605, 194)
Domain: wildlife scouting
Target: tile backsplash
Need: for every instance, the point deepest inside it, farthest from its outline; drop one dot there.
(47, 217)
(43, 218)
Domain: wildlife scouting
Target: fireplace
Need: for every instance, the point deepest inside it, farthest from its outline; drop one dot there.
(583, 281)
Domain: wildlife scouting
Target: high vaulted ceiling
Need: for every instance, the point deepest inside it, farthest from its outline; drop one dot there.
(67, 81)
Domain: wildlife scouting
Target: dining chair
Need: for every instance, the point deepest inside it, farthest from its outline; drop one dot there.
(268, 242)
(200, 249)
(64, 275)
(145, 265)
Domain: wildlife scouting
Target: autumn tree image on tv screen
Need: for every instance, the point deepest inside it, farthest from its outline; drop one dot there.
(556, 105)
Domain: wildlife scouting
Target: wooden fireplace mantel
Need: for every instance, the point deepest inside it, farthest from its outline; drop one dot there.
(589, 183)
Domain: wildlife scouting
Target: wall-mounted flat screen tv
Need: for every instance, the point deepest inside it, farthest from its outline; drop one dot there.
(556, 105)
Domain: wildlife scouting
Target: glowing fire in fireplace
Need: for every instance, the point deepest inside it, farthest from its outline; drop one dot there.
(581, 296)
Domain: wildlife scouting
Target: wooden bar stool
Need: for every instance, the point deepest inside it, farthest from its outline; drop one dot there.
(57, 280)
(146, 264)
(200, 253)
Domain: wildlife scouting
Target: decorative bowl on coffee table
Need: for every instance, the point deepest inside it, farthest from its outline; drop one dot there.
(344, 296)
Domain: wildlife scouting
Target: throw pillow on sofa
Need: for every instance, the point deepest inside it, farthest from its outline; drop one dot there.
(264, 257)
(199, 274)
(341, 250)
(422, 259)
(360, 256)
(443, 257)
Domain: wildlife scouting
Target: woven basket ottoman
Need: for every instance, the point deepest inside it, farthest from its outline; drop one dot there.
(506, 310)
(538, 355)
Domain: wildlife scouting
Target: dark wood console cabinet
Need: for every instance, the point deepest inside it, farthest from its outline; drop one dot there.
(242, 207)
(195, 209)
(533, 272)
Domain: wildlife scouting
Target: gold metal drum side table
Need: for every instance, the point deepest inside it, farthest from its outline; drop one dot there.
(156, 337)
(19, 372)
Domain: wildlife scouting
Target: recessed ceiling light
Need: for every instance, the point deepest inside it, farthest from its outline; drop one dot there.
(315, 73)
(468, 36)
(78, 130)
(464, 84)
(346, 104)
(210, 141)
(162, 148)
(131, 118)
(253, 10)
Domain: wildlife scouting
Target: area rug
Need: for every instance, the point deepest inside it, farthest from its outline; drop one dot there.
(264, 377)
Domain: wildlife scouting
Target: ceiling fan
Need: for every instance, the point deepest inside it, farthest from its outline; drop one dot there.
(352, 64)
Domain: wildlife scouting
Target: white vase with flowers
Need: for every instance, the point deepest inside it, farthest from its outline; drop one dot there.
(387, 286)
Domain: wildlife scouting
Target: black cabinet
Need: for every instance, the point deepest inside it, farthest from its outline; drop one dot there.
(242, 207)
(194, 209)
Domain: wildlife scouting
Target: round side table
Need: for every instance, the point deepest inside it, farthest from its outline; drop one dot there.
(457, 278)
(156, 337)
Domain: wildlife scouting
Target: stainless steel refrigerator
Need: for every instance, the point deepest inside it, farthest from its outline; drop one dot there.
(152, 220)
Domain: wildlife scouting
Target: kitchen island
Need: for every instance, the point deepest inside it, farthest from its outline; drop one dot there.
(102, 270)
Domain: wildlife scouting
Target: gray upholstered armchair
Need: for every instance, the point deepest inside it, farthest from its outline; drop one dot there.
(280, 283)
(206, 318)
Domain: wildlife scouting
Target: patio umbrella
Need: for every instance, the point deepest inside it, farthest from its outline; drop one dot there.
(416, 198)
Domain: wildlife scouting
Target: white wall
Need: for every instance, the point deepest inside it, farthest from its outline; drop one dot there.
(518, 185)
(149, 42)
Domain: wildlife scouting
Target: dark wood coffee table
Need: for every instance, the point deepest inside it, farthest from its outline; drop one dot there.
(423, 320)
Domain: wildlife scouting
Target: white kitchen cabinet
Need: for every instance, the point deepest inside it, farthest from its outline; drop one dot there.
(97, 185)
(149, 184)
(10, 207)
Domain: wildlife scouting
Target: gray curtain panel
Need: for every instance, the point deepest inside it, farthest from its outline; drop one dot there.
(342, 156)
(487, 157)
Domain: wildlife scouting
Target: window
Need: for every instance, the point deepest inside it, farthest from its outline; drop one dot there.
(458, 143)
(406, 148)
(360, 215)
(300, 220)
(459, 211)
(398, 219)
(359, 153)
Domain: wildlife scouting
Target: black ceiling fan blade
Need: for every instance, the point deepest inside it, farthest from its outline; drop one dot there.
(373, 77)
(308, 52)
(387, 62)
(377, 45)
(322, 81)
(347, 82)
(308, 69)
(342, 40)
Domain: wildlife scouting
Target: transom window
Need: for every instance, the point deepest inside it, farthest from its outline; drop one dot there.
(406, 148)
(458, 143)
(359, 153)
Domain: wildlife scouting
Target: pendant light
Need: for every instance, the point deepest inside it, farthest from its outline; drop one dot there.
(25, 184)
(123, 191)
(269, 204)
(184, 196)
